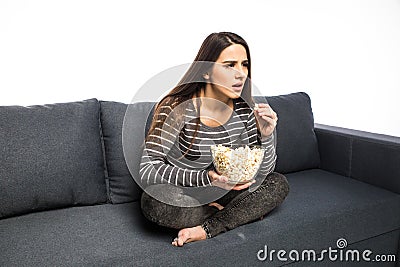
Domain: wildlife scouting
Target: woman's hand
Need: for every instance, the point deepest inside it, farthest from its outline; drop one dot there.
(221, 181)
(267, 119)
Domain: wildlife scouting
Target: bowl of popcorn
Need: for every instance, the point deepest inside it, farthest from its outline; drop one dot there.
(240, 164)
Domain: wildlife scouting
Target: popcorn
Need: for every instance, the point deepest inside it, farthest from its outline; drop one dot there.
(240, 165)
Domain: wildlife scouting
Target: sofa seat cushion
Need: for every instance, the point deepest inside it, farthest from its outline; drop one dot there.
(320, 208)
(51, 157)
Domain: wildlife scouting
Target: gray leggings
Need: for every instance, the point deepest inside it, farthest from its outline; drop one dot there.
(240, 207)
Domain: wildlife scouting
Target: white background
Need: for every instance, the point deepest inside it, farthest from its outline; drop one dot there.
(344, 53)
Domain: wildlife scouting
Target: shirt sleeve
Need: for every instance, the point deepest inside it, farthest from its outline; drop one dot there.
(155, 167)
(269, 161)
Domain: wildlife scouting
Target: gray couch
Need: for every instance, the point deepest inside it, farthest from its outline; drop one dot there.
(67, 197)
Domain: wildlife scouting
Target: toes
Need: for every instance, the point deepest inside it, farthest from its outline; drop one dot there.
(188, 235)
(181, 241)
(175, 242)
(183, 237)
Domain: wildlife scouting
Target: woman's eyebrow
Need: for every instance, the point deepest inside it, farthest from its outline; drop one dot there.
(233, 61)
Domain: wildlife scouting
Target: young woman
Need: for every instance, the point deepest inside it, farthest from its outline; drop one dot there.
(212, 104)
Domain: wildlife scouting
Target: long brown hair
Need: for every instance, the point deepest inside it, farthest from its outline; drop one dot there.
(193, 81)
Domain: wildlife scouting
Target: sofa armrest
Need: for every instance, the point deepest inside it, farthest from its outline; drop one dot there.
(368, 157)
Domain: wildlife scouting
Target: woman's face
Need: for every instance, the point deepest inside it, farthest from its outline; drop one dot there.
(230, 72)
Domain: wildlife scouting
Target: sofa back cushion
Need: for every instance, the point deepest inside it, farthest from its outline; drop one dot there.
(297, 147)
(296, 141)
(51, 157)
(122, 187)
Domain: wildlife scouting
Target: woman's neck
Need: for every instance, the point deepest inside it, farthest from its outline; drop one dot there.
(214, 110)
(217, 102)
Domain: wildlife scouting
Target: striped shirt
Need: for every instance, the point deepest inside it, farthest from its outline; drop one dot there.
(168, 156)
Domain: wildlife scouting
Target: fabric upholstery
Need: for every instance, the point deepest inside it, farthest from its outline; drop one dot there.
(122, 187)
(118, 119)
(51, 157)
(320, 208)
(372, 158)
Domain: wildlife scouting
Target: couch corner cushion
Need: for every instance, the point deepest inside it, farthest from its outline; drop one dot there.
(51, 157)
(297, 147)
(115, 116)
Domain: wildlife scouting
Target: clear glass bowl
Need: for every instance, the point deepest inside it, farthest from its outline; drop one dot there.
(240, 163)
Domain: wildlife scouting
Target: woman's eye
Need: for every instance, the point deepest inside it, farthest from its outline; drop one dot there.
(228, 66)
(232, 65)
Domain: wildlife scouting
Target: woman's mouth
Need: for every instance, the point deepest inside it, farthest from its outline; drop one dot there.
(237, 86)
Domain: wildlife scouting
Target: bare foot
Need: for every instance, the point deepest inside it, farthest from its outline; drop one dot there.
(187, 235)
(215, 204)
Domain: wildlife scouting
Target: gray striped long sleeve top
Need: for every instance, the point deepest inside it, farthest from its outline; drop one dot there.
(168, 156)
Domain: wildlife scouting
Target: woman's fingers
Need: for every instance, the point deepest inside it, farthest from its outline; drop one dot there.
(213, 175)
(243, 186)
(221, 181)
(270, 120)
(216, 177)
(267, 112)
(263, 107)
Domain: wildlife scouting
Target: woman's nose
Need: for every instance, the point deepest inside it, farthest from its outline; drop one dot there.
(239, 73)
